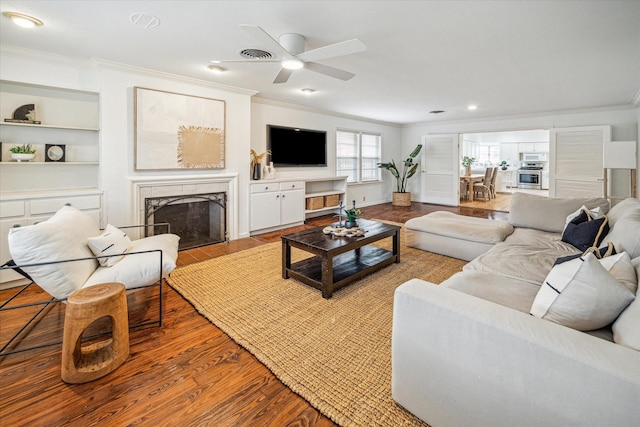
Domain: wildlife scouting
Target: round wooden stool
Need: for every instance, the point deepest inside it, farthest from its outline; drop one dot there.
(83, 363)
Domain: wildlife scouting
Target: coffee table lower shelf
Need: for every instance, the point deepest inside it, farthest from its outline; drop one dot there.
(347, 267)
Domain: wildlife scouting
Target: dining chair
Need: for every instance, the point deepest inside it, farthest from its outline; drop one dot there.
(484, 187)
(492, 184)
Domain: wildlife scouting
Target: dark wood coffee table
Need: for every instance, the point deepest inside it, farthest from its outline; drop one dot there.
(338, 261)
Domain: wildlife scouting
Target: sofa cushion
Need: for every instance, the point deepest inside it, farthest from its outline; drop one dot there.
(530, 263)
(449, 224)
(61, 237)
(136, 270)
(626, 328)
(625, 230)
(547, 213)
(581, 294)
(501, 290)
(112, 242)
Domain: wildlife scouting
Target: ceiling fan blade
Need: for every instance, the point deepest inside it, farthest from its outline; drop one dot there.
(262, 36)
(347, 47)
(283, 76)
(329, 71)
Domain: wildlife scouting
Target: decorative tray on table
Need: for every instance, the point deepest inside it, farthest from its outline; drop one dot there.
(344, 232)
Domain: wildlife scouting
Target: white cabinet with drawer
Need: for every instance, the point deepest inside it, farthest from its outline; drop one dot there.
(20, 209)
(275, 204)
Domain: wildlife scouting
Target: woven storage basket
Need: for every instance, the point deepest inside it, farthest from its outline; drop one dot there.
(331, 200)
(314, 203)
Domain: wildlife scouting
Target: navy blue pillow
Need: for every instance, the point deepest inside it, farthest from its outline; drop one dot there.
(584, 232)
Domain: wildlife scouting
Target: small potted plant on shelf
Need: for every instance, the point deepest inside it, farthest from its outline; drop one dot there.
(402, 197)
(504, 165)
(352, 216)
(467, 162)
(24, 152)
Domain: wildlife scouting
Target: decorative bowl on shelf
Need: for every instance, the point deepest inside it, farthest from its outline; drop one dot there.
(23, 157)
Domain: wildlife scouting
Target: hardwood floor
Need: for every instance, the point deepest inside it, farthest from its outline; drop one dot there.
(187, 373)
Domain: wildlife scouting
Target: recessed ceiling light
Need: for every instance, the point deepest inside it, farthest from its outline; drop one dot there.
(292, 64)
(308, 91)
(436, 111)
(216, 69)
(24, 21)
(472, 107)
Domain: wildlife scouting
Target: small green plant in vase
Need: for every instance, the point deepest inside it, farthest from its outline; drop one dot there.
(504, 165)
(352, 216)
(466, 163)
(22, 152)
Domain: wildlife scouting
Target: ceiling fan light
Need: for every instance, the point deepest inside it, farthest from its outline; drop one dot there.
(292, 64)
(24, 21)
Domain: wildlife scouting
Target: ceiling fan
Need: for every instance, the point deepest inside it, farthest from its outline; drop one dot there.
(290, 51)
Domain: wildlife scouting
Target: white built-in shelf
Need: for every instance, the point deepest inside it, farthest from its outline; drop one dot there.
(49, 126)
(48, 163)
(324, 193)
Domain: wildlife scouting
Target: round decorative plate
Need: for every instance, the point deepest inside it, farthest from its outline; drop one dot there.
(55, 153)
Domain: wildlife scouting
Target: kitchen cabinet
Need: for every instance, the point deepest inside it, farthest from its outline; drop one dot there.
(533, 147)
(509, 152)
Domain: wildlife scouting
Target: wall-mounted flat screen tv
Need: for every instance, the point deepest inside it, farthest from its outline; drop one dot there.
(296, 147)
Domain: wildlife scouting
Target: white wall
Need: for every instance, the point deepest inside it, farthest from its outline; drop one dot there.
(117, 137)
(624, 127)
(264, 112)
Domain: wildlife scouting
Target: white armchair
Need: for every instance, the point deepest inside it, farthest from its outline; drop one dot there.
(57, 256)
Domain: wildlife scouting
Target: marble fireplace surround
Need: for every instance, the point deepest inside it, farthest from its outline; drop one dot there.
(170, 186)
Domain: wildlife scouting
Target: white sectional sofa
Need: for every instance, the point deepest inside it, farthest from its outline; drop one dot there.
(468, 351)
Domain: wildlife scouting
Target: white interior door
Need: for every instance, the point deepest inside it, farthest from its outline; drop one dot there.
(575, 163)
(440, 177)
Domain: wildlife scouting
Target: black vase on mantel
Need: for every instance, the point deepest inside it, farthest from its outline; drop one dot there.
(257, 171)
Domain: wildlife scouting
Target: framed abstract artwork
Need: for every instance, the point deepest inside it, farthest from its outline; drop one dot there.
(174, 131)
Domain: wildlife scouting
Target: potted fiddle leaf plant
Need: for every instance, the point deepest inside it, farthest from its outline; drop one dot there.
(402, 197)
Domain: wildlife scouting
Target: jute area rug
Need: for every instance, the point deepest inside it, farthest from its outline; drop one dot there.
(334, 353)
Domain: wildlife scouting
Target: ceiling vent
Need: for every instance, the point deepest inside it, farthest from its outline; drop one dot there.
(255, 54)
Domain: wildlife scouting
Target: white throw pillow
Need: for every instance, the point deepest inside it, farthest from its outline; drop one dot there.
(581, 294)
(61, 237)
(112, 241)
(626, 328)
(136, 270)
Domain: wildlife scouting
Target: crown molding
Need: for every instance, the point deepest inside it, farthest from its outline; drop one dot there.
(103, 63)
(39, 55)
(525, 116)
(268, 101)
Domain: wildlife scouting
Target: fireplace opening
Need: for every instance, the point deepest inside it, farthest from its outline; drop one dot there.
(199, 219)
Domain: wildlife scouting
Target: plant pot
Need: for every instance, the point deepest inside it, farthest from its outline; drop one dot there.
(504, 168)
(22, 157)
(350, 224)
(467, 170)
(401, 199)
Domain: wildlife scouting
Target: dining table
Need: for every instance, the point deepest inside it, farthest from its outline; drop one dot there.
(470, 180)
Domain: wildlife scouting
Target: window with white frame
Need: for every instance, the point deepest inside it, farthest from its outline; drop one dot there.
(357, 155)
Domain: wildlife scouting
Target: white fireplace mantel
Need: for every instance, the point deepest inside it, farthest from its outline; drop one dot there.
(183, 185)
